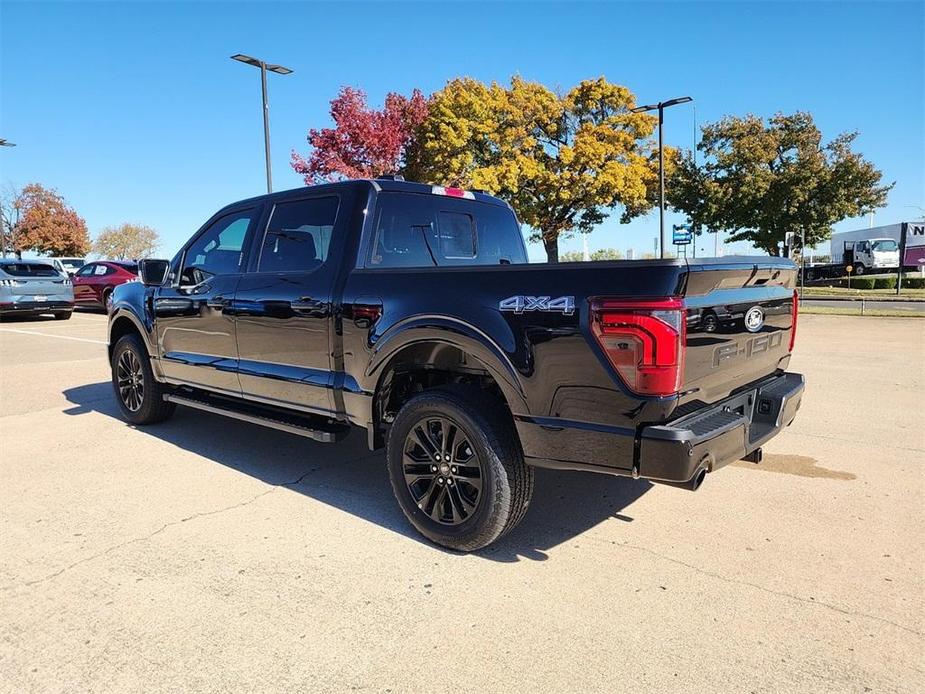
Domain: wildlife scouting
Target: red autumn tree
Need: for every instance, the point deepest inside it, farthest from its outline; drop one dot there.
(40, 220)
(364, 142)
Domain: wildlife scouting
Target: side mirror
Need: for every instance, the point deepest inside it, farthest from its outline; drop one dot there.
(153, 272)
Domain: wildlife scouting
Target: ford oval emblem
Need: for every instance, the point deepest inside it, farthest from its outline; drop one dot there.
(754, 319)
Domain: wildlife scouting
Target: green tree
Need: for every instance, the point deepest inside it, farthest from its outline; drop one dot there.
(562, 161)
(127, 241)
(760, 180)
(606, 254)
(599, 254)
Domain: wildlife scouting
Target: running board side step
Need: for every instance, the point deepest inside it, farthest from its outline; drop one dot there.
(265, 417)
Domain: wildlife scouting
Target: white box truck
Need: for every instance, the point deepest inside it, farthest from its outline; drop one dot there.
(873, 250)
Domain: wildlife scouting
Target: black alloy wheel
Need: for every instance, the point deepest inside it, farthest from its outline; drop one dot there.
(140, 395)
(131, 381)
(456, 466)
(442, 471)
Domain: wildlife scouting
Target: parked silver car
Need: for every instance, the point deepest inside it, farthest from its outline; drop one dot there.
(33, 287)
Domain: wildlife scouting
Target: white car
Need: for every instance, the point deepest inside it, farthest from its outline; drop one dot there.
(66, 266)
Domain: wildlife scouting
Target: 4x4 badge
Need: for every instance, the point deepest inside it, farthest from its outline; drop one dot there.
(521, 304)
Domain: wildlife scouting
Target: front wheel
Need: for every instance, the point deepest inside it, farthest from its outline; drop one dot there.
(140, 396)
(456, 470)
(859, 269)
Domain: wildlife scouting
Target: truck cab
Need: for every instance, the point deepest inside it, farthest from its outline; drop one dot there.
(872, 255)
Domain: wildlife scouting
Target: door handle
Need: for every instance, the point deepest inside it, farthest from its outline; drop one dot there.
(305, 303)
(217, 302)
(172, 306)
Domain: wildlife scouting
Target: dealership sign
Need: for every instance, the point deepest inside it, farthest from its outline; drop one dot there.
(915, 243)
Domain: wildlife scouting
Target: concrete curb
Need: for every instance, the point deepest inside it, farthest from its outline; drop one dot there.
(880, 299)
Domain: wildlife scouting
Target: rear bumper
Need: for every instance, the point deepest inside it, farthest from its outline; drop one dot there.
(13, 307)
(674, 453)
(720, 434)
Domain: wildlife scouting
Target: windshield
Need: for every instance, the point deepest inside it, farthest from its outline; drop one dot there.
(885, 245)
(28, 270)
(73, 262)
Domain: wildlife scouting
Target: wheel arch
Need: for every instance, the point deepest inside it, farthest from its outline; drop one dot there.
(421, 356)
(124, 322)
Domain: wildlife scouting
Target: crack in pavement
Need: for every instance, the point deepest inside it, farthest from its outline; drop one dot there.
(200, 514)
(639, 548)
(764, 589)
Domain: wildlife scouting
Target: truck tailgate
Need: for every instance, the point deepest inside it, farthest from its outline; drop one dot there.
(740, 318)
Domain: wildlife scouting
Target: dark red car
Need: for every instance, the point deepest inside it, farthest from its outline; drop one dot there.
(94, 282)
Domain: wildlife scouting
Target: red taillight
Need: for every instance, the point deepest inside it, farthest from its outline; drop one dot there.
(794, 311)
(644, 341)
(452, 192)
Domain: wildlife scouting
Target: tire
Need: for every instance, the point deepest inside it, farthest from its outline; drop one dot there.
(131, 368)
(63, 315)
(859, 269)
(710, 322)
(469, 505)
(107, 298)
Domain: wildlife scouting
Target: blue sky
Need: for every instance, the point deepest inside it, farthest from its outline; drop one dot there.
(135, 112)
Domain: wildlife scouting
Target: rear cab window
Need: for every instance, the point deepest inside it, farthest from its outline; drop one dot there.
(421, 230)
(29, 270)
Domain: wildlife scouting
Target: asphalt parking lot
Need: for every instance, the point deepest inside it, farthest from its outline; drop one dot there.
(209, 555)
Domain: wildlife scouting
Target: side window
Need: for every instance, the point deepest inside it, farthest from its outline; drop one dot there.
(86, 270)
(298, 235)
(101, 270)
(217, 251)
(404, 231)
(456, 234)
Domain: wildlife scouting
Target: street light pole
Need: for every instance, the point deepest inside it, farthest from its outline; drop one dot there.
(266, 125)
(661, 184)
(280, 70)
(660, 107)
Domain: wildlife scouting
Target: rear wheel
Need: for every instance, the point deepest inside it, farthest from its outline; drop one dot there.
(456, 470)
(710, 322)
(140, 396)
(107, 300)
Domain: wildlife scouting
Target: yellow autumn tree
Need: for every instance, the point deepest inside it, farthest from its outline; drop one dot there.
(562, 161)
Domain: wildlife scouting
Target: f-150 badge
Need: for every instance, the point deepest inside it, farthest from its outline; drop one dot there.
(522, 304)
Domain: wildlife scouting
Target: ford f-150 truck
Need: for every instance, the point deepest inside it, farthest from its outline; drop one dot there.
(410, 311)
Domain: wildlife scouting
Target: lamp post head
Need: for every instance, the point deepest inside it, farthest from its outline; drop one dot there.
(241, 58)
(256, 62)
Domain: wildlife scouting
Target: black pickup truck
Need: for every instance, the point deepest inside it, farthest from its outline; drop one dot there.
(410, 311)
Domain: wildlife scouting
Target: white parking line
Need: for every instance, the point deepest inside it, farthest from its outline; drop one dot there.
(60, 337)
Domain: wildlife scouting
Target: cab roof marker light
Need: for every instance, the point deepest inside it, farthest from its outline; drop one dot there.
(452, 192)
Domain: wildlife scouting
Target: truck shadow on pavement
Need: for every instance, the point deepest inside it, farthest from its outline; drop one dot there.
(349, 477)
